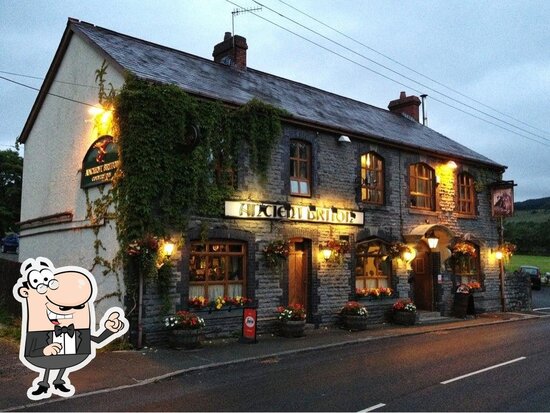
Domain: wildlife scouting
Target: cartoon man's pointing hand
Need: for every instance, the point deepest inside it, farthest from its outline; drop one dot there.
(58, 326)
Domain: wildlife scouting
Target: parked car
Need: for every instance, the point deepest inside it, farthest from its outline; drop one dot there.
(534, 273)
(10, 243)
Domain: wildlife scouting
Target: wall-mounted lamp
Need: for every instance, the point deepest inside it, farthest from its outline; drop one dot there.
(352, 214)
(327, 253)
(409, 254)
(344, 139)
(452, 165)
(168, 248)
(287, 206)
(312, 207)
(432, 240)
(499, 255)
(334, 210)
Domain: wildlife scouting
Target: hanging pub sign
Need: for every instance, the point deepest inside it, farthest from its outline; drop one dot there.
(311, 213)
(502, 199)
(100, 163)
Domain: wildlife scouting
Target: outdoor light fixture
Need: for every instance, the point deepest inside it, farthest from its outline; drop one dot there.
(334, 209)
(409, 254)
(312, 208)
(352, 214)
(432, 240)
(452, 164)
(287, 206)
(327, 253)
(499, 255)
(168, 248)
(344, 139)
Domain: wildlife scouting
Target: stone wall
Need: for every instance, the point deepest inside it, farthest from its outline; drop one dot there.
(517, 292)
(335, 172)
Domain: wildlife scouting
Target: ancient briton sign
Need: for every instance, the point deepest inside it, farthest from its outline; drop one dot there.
(305, 213)
(100, 163)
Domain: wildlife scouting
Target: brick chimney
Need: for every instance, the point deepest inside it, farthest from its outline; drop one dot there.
(407, 105)
(231, 52)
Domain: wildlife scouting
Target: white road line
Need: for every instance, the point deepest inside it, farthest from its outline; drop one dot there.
(542, 308)
(483, 370)
(372, 408)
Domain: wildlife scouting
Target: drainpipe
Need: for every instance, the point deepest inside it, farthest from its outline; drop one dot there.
(140, 306)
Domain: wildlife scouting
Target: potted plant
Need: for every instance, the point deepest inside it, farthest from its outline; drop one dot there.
(404, 312)
(185, 329)
(292, 320)
(374, 293)
(354, 316)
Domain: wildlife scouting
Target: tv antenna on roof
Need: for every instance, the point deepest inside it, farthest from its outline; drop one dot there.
(238, 11)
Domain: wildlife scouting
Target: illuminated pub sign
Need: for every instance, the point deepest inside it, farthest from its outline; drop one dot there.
(100, 163)
(502, 198)
(266, 210)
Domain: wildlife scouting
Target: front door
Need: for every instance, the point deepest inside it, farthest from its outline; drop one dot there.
(423, 279)
(298, 273)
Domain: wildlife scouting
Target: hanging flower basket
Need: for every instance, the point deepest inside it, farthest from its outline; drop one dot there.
(275, 253)
(338, 249)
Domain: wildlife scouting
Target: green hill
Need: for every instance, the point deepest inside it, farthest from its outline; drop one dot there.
(529, 228)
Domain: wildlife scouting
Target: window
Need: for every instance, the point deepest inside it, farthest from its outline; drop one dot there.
(421, 186)
(465, 194)
(372, 178)
(373, 267)
(217, 268)
(465, 261)
(300, 168)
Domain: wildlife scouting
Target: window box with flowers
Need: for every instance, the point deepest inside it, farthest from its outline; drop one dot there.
(185, 329)
(220, 307)
(404, 312)
(275, 253)
(363, 294)
(292, 320)
(354, 316)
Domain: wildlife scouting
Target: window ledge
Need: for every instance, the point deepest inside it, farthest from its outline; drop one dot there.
(466, 216)
(423, 212)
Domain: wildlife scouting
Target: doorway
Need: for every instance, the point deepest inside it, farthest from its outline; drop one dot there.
(423, 278)
(298, 272)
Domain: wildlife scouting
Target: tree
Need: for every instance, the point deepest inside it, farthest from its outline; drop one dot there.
(11, 172)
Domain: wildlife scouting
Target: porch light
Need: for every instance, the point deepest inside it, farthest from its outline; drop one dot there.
(168, 248)
(432, 240)
(499, 255)
(452, 164)
(327, 253)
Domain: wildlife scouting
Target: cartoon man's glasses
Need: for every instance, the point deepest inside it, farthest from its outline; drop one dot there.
(42, 280)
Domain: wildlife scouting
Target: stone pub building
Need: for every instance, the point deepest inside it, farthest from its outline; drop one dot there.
(349, 189)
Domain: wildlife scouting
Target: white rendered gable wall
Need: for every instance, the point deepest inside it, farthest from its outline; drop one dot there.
(54, 150)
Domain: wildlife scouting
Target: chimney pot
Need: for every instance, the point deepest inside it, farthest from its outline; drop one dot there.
(406, 105)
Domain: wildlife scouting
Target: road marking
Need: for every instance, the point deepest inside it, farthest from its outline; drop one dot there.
(483, 370)
(372, 408)
(542, 308)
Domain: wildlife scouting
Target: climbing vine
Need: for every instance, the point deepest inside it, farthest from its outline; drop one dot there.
(178, 156)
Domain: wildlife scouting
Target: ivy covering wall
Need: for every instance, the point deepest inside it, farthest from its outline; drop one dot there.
(175, 153)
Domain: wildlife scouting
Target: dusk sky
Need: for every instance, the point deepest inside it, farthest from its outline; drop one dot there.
(485, 65)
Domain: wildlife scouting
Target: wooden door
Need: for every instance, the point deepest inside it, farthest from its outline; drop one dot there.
(297, 275)
(423, 281)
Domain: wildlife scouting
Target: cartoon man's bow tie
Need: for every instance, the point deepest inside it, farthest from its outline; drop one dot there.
(60, 330)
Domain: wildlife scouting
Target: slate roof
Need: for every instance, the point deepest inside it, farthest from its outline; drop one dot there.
(204, 77)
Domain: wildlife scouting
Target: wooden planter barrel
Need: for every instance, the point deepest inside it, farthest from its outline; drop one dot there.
(290, 328)
(355, 322)
(406, 318)
(188, 339)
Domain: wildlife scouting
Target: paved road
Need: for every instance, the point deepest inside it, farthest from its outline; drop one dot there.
(541, 299)
(398, 374)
